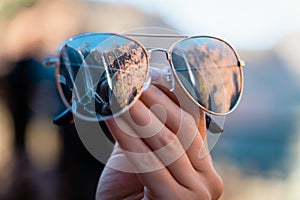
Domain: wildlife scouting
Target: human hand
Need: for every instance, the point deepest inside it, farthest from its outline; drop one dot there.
(163, 150)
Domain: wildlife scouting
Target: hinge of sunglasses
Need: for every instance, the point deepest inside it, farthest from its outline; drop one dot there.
(51, 62)
(241, 63)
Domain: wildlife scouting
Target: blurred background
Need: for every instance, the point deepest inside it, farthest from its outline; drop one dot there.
(257, 155)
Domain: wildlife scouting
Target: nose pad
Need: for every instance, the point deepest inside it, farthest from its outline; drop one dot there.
(162, 76)
(160, 71)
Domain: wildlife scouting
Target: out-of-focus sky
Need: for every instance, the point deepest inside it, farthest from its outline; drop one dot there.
(252, 25)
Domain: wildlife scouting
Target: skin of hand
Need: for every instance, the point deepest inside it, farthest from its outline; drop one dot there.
(182, 170)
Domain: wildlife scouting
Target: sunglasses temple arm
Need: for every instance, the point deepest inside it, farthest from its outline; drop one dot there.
(212, 125)
(64, 118)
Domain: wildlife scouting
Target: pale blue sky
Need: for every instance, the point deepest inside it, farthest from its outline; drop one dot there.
(251, 24)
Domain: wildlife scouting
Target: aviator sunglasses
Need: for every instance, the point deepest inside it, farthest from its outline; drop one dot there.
(100, 75)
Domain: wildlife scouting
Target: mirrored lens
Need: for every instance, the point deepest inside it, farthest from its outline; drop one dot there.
(101, 74)
(208, 70)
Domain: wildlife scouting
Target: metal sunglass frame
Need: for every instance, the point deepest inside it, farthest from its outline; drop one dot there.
(240, 63)
(54, 61)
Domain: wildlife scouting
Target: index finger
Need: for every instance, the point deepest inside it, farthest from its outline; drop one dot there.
(182, 124)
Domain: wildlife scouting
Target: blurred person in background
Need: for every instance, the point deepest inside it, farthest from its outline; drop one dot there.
(28, 91)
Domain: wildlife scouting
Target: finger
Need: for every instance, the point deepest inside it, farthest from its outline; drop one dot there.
(149, 168)
(164, 143)
(159, 102)
(175, 111)
(182, 123)
(177, 120)
(131, 145)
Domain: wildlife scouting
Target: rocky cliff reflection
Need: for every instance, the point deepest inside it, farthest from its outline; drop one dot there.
(209, 70)
(105, 79)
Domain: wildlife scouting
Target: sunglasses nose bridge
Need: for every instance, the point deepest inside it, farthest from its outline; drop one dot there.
(166, 77)
(150, 51)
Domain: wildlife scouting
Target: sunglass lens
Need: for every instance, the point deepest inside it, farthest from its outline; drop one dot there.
(208, 69)
(101, 74)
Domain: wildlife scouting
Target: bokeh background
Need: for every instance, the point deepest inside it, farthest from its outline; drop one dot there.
(257, 155)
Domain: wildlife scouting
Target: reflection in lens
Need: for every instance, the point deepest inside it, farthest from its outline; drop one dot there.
(208, 69)
(101, 74)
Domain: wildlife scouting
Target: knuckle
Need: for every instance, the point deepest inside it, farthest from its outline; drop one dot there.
(218, 187)
(188, 120)
(210, 186)
(166, 137)
(215, 184)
